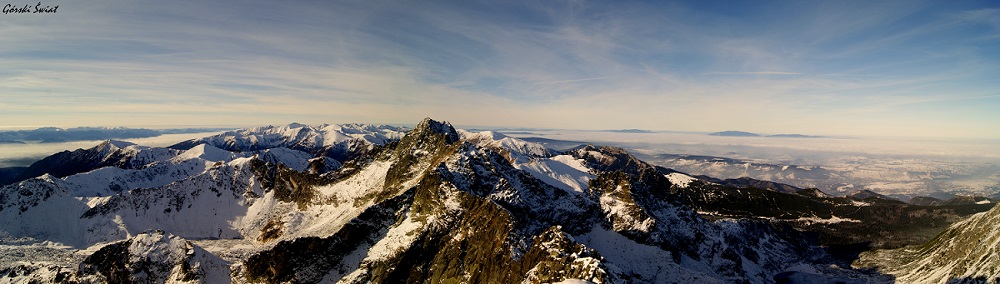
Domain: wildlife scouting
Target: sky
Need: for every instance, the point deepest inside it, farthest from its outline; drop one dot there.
(884, 68)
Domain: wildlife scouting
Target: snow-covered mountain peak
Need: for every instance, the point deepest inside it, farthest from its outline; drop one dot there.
(114, 144)
(45, 180)
(680, 180)
(517, 150)
(563, 171)
(482, 135)
(206, 152)
(48, 178)
(360, 128)
(110, 146)
(295, 159)
(158, 246)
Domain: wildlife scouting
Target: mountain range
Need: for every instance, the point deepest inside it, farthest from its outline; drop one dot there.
(55, 134)
(360, 203)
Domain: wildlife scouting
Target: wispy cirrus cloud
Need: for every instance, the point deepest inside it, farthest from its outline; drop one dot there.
(579, 64)
(754, 73)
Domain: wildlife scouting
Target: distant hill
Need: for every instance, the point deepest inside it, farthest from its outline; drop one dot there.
(54, 134)
(735, 134)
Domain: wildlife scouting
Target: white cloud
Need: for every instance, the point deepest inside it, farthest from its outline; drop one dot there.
(538, 64)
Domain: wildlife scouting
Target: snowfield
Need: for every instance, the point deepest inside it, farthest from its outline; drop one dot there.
(563, 171)
(680, 180)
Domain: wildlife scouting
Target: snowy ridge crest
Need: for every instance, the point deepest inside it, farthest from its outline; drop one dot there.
(516, 150)
(321, 139)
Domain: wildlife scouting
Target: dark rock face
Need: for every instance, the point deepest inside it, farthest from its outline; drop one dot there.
(428, 143)
(289, 185)
(475, 238)
(110, 262)
(477, 242)
(428, 126)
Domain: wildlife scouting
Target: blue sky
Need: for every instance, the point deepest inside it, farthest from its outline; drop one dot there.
(888, 68)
